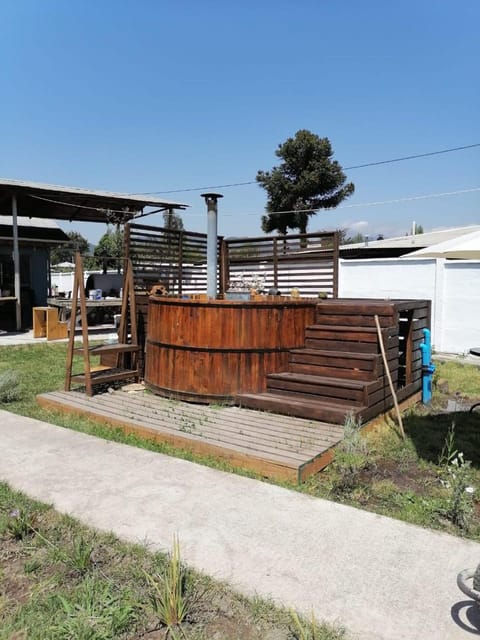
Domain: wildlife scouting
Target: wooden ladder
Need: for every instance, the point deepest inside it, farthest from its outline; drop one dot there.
(102, 375)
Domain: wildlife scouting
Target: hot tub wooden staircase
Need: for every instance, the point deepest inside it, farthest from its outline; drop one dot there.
(340, 369)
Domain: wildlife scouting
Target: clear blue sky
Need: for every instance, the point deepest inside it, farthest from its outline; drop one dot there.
(152, 95)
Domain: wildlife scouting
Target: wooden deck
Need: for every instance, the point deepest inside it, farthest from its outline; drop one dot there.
(273, 446)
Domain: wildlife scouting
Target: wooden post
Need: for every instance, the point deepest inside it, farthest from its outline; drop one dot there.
(389, 377)
(336, 258)
(180, 263)
(78, 295)
(224, 266)
(16, 265)
(275, 262)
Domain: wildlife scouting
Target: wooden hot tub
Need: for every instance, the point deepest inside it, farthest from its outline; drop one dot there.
(210, 350)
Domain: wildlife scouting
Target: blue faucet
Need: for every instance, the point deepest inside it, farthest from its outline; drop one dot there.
(428, 368)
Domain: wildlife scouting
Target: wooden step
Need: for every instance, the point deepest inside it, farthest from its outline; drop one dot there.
(339, 338)
(344, 331)
(301, 408)
(338, 390)
(332, 364)
(361, 315)
(104, 376)
(114, 347)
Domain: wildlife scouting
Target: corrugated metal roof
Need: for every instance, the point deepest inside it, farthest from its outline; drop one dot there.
(71, 203)
(413, 242)
(33, 230)
(135, 198)
(37, 223)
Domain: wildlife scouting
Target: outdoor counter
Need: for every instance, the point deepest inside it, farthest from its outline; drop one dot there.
(210, 350)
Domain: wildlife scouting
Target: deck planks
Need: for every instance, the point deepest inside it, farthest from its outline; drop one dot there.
(271, 445)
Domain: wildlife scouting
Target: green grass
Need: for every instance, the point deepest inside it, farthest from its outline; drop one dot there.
(64, 581)
(401, 479)
(462, 378)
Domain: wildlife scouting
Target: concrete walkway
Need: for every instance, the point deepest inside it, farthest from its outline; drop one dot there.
(379, 577)
(16, 338)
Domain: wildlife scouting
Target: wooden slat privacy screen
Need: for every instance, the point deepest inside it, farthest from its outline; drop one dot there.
(308, 262)
(178, 259)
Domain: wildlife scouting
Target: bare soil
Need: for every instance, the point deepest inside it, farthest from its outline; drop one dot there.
(410, 478)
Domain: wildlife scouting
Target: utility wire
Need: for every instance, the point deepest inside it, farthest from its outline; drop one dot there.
(357, 166)
(257, 213)
(345, 206)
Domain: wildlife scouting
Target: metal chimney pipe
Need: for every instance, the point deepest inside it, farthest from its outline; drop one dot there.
(212, 199)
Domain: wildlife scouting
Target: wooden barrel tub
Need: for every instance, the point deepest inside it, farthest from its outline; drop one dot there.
(210, 350)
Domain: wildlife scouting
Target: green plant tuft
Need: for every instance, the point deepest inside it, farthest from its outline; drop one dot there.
(460, 499)
(10, 387)
(79, 556)
(170, 596)
(311, 629)
(449, 452)
(350, 457)
(20, 524)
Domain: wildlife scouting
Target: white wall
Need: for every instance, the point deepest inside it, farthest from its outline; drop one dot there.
(452, 286)
(461, 306)
(64, 280)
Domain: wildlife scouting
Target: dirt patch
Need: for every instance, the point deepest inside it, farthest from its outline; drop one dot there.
(411, 478)
(14, 584)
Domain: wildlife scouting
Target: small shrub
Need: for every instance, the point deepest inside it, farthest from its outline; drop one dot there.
(350, 456)
(456, 477)
(10, 388)
(460, 500)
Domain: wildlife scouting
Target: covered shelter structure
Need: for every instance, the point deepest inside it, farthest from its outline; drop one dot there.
(466, 247)
(19, 198)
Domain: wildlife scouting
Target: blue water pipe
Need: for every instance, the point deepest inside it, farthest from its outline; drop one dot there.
(428, 368)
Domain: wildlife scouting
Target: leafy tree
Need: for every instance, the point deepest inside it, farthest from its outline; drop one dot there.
(66, 252)
(358, 237)
(172, 220)
(418, 229)
(109, 250)
(307, 180)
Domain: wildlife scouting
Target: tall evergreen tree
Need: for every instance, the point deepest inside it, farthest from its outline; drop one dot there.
(172, 220)
(306, 181)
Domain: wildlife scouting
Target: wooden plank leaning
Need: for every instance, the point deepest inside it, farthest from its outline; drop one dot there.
(387, 370)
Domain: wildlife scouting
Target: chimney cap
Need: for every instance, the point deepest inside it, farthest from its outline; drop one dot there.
(211, 195)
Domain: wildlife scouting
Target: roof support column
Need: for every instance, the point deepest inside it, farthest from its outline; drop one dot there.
(16, 264)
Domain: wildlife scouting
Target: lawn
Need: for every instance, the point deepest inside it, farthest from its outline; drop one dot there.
(60, 580)
(432, 478)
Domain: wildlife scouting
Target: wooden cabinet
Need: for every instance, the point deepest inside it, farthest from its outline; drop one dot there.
(47, 325)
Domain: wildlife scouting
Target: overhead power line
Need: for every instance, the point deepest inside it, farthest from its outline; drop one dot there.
(257, 213)
(346, 206)
(357, 166)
